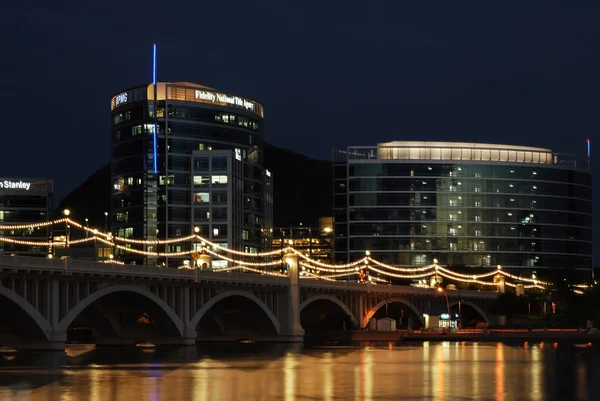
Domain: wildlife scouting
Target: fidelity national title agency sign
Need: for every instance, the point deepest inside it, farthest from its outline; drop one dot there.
(218, 97)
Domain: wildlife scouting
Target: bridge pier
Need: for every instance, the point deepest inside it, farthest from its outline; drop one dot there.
(291, 328)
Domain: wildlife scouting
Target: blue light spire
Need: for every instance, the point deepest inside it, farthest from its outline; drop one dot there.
(589, 148)
(155, 104)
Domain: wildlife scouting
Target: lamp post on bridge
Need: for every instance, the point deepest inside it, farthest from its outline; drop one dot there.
(66, 212)
(440, 289)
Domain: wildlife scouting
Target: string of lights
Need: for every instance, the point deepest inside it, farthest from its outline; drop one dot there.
(311, 267)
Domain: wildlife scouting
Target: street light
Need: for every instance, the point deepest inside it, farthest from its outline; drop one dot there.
(105, 222)
(66, 212)
(194, 244)
(87, 225)
(440, 289)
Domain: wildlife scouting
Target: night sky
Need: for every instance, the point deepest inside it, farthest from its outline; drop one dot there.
(329, 74)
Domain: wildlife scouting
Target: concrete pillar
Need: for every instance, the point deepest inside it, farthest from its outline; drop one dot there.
(291, 316)
(205, 262)
(57, 341)
(520, 289)
(499, 280)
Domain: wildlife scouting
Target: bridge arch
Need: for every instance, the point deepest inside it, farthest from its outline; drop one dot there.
(371, 312)
(233, 293)
(331, 298)
(472, 305)
(37, 317)
(84, 303)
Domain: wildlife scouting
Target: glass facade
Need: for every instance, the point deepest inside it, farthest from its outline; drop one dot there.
(189, 157)
(314, 242)
(26, 201)
(408, 203)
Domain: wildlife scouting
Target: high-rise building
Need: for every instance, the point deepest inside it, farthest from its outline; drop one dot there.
(25, 201)
(409, 203)
(314, 242)
(186, 157)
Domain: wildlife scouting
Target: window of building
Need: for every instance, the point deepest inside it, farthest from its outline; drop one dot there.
(453, 246)
(452, 217)
(420, 259)
(219, 179)
(125, 232)
(477, 203)
(245, 235)
(478, 233)
(477, 218)
(122, 216)
(452, 231)
(201, 164)
(202, 197)
(162, 179)
(201, 179)
(219, 197)
(453, 202)
(219, 163)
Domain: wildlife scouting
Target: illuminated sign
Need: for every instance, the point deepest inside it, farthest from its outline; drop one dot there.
(120, 99)
(444, 316)
(221, 98)
(7, 184)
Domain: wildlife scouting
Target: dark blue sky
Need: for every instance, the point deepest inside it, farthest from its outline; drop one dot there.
(330, 74)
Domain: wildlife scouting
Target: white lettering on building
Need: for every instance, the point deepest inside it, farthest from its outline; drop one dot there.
(120, 99)
(219, 97)
(7, 184)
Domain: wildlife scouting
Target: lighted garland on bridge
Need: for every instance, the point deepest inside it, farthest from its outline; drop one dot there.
(338, 270)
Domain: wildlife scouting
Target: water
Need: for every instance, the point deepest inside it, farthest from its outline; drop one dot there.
(429, 371)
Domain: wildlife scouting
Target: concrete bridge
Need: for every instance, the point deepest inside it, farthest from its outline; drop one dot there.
(46, 303)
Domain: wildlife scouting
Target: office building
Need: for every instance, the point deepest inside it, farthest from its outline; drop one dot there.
(314, 242)
(25, 201)
(470, 204)
(186, 156)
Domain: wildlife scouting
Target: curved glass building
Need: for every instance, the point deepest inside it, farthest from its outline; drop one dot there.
(463, 204)
(187, 157)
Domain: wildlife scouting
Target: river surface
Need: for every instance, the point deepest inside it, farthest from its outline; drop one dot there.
(421, 371)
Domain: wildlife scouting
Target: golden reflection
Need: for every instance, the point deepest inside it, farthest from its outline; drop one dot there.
(289, 371)
(358, 379)
(201, 379)
(368, 374)
(438, 376)
(328, 383)
(536, 372)
(475, 371)
(96, 389)
(499, 371)
(427, 382)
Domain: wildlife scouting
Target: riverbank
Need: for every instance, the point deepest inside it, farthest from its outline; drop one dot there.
(333, 337)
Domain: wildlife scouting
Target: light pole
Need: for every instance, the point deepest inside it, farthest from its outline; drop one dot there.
(105, 222)
(87, 225)
(194, 243)
(440, 289)
(66, 212)
(95, 245)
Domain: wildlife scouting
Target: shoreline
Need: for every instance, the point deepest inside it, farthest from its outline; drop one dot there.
(333, 337)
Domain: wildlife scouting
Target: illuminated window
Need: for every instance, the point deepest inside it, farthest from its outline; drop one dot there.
(201, 197)
(477, 218)
(245, 235)
(219, 179)
(201, 179)
(478, 233)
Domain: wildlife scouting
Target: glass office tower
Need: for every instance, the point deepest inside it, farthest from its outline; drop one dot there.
(26, 201)
(463, 204)
(185, 156)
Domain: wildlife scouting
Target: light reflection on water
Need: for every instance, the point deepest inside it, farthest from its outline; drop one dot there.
(430, 371)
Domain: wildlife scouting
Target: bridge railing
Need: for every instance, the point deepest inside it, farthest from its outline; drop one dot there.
(86, 267)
